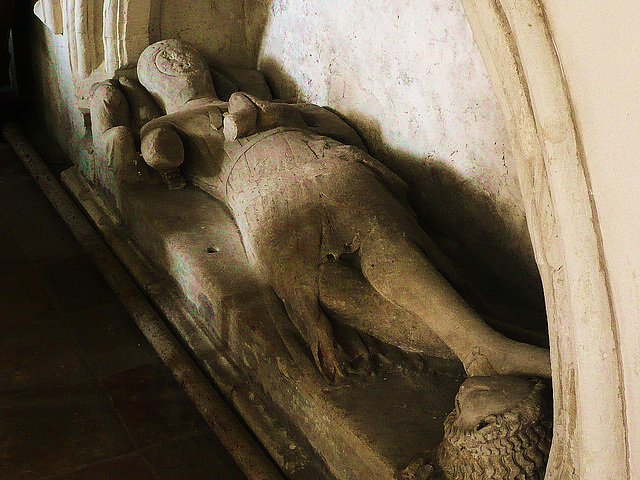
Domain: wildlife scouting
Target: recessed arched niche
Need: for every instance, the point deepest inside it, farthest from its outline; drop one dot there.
(468, 104)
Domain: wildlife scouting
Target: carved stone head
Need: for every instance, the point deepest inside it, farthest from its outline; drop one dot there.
(500, 429)
(175, 73)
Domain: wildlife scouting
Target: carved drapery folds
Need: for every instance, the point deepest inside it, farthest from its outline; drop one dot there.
(83, 31)
(50, 13)
(102, 35)
(125, 32)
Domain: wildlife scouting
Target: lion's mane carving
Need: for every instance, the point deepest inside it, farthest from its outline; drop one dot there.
(513, 444)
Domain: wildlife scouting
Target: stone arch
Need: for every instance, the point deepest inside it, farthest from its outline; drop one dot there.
(516, 43)
(129, 27)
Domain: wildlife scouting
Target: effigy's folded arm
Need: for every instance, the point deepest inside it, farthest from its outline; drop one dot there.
(323, 121)
(113, 139)
(248, 114)
(119, 108)
(142, 108)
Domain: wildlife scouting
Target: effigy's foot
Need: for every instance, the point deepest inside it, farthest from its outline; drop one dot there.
(477, 364)
(500, 429)
(508, 358)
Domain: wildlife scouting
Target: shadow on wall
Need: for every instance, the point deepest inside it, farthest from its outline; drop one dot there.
(499, 279)
(498, 269)
(257, 15)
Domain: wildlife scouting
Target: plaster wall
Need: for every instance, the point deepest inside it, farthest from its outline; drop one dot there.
(214, 27)
(409, 76)
(599, 47)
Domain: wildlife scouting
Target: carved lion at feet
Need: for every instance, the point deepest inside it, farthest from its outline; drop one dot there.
(501, 429)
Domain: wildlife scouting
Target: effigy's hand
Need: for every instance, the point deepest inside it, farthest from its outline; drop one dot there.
(248, 115)
(162, 149)
(242, 118)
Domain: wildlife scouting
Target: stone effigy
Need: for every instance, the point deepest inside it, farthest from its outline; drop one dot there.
(324, 225)
(303, 203)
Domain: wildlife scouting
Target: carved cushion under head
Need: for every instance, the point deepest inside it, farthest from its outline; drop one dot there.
(500, 430)
(174, 73)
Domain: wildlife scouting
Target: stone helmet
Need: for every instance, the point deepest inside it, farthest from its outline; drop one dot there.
(175, 73)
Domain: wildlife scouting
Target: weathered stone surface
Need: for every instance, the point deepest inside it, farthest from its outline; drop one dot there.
(366, 426)
(409, 76)
(305, 267)
(174, 74)
(302, 200)
(559, 160)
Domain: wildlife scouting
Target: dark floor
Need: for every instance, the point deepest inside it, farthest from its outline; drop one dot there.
(82, 393)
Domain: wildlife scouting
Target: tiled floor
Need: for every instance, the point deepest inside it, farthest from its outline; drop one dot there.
(82, 394)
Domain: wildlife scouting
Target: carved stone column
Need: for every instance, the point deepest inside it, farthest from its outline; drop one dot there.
(50, 13)
(126, 27)
(103, 36)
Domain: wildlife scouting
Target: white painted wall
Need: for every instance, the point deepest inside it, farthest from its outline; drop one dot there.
(599, 46)
(214, 27)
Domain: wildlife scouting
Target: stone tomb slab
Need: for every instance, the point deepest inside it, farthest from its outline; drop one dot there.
(186, 253)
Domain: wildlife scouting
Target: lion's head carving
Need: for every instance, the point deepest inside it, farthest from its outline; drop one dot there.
(501, 429)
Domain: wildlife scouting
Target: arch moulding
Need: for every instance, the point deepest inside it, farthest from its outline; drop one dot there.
(589, 407)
